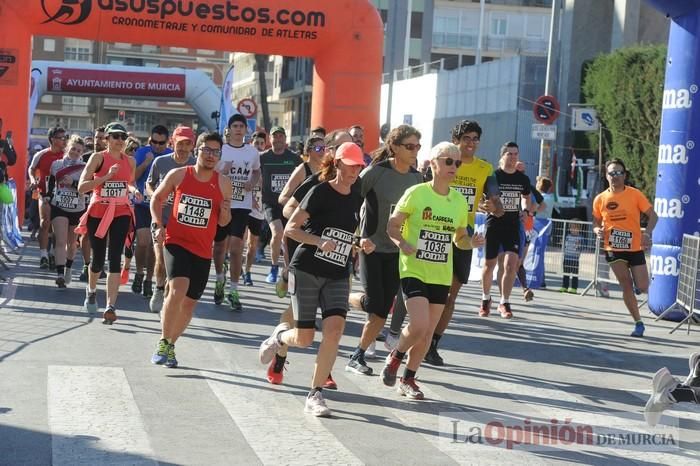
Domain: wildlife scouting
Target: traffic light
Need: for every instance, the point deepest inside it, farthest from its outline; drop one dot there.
(121, 115)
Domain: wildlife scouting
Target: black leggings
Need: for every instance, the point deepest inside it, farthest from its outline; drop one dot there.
(379, 274)
(116, 233)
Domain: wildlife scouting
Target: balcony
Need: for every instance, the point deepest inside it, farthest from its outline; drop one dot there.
(450, 40)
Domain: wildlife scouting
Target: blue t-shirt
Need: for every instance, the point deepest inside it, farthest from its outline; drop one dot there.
(139, 157)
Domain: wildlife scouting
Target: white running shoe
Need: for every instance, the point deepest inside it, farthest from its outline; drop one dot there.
(269, 347)
(67, 276)
(660, 399)
(371, 352)
(391, 341)
(316, 405)
(693, 379)
(156, 302)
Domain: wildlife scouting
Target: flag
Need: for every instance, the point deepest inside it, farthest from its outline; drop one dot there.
(226, 108)
(33, 98)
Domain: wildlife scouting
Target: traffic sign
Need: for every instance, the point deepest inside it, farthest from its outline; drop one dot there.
(584, 119)
(546, 132)
(247, 107)
(546, 109)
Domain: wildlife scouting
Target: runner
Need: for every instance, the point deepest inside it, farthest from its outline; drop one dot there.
(240, 162)
(110, 177)
(474, 179)
(38, 176)
(145, 257)
(275, 372)
(202, 200)
(382, 185)
(503, 233)
(259, 140)
(183, 141)
(425, 222)
(277, 165)
(324, 225)
(616, 220)
(667, 390)
(67, 206)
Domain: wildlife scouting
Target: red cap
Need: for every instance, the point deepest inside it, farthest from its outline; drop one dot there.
(183, 133)
(350, 153)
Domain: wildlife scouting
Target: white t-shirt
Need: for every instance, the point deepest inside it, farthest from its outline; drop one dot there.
(238, 163)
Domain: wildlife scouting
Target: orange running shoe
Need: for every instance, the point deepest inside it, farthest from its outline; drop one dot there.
(275, 371)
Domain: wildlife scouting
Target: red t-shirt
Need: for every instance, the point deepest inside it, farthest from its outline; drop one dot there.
(42, 161)
(195, 214)
(116, 187)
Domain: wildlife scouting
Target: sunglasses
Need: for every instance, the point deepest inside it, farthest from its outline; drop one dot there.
(616, 173)
(159, 143)
(209, 151)
(60, 138)
(319, 149)
(121, 136)
(449, 161)
(410, 146)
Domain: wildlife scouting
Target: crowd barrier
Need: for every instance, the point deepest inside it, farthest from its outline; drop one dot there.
(9, 222)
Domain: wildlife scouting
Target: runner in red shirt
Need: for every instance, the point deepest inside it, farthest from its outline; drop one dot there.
(202, 201)
(39, 172)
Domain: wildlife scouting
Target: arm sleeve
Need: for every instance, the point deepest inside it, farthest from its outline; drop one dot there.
(367, 180)
(311, 201)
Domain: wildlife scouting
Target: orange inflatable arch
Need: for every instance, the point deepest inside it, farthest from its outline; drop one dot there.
(344, 37)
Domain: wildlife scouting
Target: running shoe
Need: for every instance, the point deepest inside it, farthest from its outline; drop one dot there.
(269, 347)
(109, 315)
(409, 389)
(357, 365)
(259, 256)
(156, 303)
(171, 361)
(84, 274)
(485, 308)
(371, 352)
(147, 288)
(275, 371)
(390, 369)
(44, 263)
(161, 353)
(661, 399)
(124, 277)
(638, 330)
(505, 311)
(68, 276)
(528, 294)
(61, 283)
(234, 301)
(52, 262)
(693, 379)
(316, 405)
(381, 336)
(572, 291)
(137, 284)
(90, 302)
(563, 289)
(281, 287)
(391, 341)
(272, 276)
(330, 384)
(433, 358)
(219, 292)
(247, 279)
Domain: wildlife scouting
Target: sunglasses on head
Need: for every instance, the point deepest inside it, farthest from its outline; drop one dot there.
(616, 173)
(410, 146)
(122, 136)
(449, 161)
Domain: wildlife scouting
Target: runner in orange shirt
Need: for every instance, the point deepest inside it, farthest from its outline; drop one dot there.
(616, 220)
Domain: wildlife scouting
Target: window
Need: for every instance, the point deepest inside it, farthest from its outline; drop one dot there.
(143, 122)
(416, 24)
(446, 24)
(205, 52)
(149, 49)
(75, 104)
(535, 26)
(47, 99)
(178, 49)
(78, 50)
(49, 45)
(122, 45)
(499, 26)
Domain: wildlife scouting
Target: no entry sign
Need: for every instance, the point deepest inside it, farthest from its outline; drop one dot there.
(546, 109)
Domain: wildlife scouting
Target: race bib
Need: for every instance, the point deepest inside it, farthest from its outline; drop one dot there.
(343, 241)
(433, 247)
(67, 199)
(511, 201)
(278, 182)
(238, 191)
(469, 193)
(620, 239)
(113, 189)
(194, 211)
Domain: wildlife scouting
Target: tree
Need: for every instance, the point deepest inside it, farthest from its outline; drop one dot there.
(626, 89)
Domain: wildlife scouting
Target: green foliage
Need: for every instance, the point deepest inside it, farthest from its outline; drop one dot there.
(626, 88)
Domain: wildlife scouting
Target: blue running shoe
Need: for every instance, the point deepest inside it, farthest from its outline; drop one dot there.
(247, 279)
(161, 354)
(171, 361)
(272, 276)
(638, 330)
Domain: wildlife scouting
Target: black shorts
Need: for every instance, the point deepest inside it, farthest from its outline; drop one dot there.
(632, 258)
(73, 217)
(461, 264)
(273, 212)
(142, 212)
(379, 274)
(414, 288)
(501, 238)
(179, 262)
(236, 227)
(254, 225)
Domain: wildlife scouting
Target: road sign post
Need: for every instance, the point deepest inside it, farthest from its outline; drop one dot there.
(546, 111)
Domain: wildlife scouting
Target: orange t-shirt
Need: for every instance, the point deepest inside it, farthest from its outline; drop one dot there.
(620, 214)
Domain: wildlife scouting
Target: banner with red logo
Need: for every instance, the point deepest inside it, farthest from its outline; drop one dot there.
(119, 83)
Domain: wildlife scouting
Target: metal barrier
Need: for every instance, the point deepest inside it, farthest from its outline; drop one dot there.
(572, 250)
(687, 296)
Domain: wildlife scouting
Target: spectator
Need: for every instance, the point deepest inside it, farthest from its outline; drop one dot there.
(573, 246)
